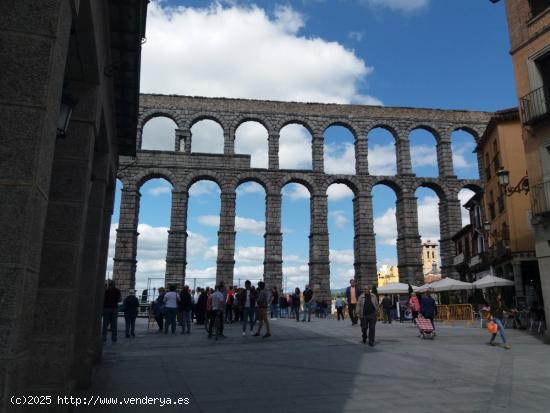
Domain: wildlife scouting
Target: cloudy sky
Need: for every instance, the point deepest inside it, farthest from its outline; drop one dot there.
(416, 53)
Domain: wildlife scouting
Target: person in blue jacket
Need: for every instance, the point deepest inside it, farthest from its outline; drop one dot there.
(428, 308)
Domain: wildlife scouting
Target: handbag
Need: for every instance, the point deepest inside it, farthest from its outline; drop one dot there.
(492, 327)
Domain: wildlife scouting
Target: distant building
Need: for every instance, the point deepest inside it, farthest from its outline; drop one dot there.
(430, 257)
(388, 274)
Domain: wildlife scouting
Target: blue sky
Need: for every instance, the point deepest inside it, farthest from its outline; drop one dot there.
(417, 53)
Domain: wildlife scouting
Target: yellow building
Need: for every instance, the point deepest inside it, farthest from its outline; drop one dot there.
(509, 241)
(388, 274)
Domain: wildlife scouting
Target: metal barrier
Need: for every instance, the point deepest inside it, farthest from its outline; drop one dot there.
(455, 312)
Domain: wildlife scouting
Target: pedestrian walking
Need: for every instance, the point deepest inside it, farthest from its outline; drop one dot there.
(428, 308)
(386, 308)
(111, 299)
(230, 299)
(352, 294)
(131, 306)
(186, 306)
(283, 306)
(309, 296)
(201, 305)
(367, 311)
(262, 303)
(498, 308)
(296, 304)
(218, 306)
(339, 304)
(171, 308)
(274, 303)
(247, 302)
(414, 305)
(158, 309)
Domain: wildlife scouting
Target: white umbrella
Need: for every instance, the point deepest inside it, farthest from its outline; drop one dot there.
(445, 284)
(492, 281)
(395, 288)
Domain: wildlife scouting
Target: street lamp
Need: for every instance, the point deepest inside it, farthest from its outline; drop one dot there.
(504, 179)
(486, 226)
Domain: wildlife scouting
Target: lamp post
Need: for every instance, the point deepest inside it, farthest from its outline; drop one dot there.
(504, 179)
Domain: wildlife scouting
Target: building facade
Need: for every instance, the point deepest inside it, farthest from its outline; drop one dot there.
(529, 29)
(387, 274)
(509, 239)
(69, 88)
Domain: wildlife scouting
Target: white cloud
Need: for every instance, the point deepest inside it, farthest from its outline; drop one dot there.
(385, 227)
(296, 192)
(295, 148)
(251, 139)
(337, 192)
(382, 160)
(159, 134)
(356, 35)
(398, 5)
(340, 218)
(204, 188)
(249, 225)
(423, 155)
(428, 218)
(250, 254)
(207, 137)
(340, 158)
(250, 188)
(241, 51)
(159, 190)
(342, 257)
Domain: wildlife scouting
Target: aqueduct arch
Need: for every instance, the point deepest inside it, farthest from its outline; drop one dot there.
(230, 169)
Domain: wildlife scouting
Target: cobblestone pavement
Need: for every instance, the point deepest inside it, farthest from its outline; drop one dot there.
(322, 366)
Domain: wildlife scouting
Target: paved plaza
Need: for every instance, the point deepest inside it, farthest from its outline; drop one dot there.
(323, 367)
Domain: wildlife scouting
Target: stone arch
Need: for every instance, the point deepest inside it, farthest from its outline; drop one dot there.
(197, 176)
(469, 130)
(386, 126)
(207, 116)
(302, 179)
(251, 137)
(392, 143)
(248, 177)
(440, 190)
(155, 173)
(250, 118)
(390, 183)
(297, 121)
(146, 116)
(351, 183)
(429, 128)
(219, 147)
(471, 185)
(344, 124)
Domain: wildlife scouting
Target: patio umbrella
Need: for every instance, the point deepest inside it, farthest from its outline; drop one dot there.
(445, 284)
(492, 281)
(395, 288)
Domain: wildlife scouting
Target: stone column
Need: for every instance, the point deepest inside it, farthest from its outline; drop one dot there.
(450, 222)
(317, 152)
(228, 143)
(273, 148)
(319, 263)
(273, 254)
(188, 136)
(226, 239)
(362, 155)
(62, 271)
(34, 55)
(177, 240)
(96, 344)
(86, 297)
(363, 242)
(403, 154)
(445, 157)
(125, 262)
(139, 138)
(409, 248)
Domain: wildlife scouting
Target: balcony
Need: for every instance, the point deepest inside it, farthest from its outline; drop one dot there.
(535, 105)
(540, 198)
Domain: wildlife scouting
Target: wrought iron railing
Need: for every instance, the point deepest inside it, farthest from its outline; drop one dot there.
(535, 104)
(540, 198)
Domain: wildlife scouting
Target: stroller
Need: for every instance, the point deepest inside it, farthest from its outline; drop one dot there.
(425, 327)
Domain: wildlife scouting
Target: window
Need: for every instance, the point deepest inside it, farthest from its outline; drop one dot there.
(496, 162)
(538, 6)
(487, 167)
(500, 202)
(492, 213)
